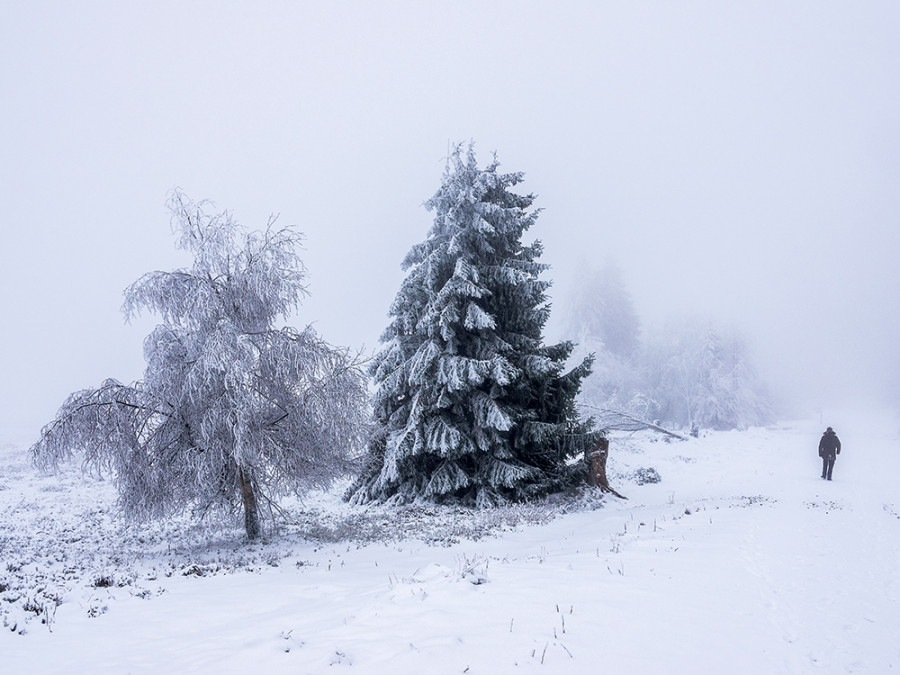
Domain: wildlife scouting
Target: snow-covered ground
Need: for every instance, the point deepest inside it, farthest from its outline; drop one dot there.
(741, 560)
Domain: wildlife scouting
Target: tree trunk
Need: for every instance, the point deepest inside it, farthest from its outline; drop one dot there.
(596, 466)
(251, 510)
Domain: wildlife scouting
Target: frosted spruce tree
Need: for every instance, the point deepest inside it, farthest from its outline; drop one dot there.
(471, 406)
(232, 410)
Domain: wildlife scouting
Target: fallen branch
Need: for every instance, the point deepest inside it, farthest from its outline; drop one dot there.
(617, 420)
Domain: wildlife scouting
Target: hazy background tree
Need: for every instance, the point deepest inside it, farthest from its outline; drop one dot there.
(701, 375)
(600, 314)
(687, 373)
(232, 410)
(471, 406)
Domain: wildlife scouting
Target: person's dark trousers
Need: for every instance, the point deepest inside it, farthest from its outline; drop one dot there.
(827, 467)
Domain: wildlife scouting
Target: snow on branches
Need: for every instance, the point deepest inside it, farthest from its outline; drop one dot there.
(232, 409)
(471, 406)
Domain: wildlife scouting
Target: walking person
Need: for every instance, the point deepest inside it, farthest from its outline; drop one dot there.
(829, 449)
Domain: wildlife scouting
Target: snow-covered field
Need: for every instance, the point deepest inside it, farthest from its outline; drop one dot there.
(741, 560)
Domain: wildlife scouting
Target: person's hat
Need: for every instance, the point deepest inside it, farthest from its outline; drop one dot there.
(829, 429)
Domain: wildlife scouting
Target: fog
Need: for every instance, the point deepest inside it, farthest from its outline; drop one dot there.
(738, 161)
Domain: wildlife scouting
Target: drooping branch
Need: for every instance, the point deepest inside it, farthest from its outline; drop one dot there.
(107, 423)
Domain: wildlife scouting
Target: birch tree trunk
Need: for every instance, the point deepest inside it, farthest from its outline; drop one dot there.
(251, 509)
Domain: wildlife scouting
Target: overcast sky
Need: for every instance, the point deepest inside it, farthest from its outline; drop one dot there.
(736, 160)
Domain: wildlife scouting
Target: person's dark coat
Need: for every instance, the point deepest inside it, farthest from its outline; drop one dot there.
(830, 445)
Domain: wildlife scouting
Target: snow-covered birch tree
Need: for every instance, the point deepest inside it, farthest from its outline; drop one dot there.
(232, 410)
(471, 406)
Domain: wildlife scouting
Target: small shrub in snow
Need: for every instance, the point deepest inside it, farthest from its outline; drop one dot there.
(644, 476)
(194, 570)
(474, 569)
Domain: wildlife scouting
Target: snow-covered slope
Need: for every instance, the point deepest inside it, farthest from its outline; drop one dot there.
(741, 560)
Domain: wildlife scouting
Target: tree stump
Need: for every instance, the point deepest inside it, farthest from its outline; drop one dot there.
(596, 467)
